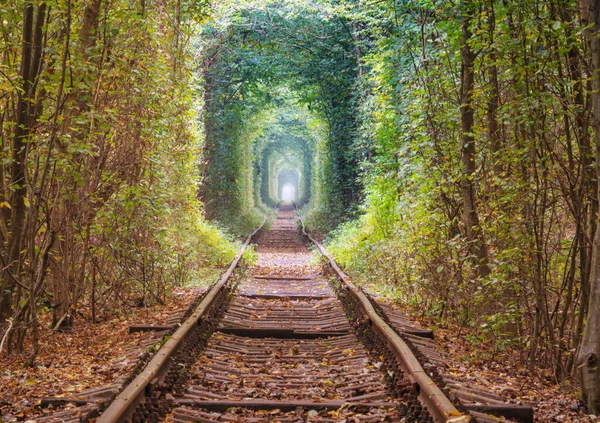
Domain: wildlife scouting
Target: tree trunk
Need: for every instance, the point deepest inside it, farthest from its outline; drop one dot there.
(31, 54)
(580, 189)
(494, 100)
(588, 358)
(65, 285)
(467, 112)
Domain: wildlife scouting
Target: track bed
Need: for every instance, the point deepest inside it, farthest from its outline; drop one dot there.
(288, 342)
(285, 350)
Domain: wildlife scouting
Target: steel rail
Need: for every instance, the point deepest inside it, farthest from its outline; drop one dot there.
(124, 405)
(439, 406)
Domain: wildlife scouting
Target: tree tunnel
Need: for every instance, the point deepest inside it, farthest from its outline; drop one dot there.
(286, 164)
(276, 100)
(287, 185)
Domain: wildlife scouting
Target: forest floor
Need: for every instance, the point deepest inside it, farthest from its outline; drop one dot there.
(501, 372)
(91, 355)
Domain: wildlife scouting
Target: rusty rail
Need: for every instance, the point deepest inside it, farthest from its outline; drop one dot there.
(430, 395)
(126, 402)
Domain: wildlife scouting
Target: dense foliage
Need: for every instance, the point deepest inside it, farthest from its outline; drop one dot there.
(98, 172)
(453, 145)
(463, 133)
(263, 61)
(481, 193)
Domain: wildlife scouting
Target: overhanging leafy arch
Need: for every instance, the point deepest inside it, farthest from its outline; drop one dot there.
(265, 61)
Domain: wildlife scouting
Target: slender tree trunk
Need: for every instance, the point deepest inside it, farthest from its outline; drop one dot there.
(176, 35)
(65, 285)
(89, 27)
(494, 100)
(588, 358)
(581, 188)
(467, 112)
(31, 54)
(355, 32)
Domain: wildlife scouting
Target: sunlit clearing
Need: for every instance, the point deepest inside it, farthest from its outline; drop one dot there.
(288, 193)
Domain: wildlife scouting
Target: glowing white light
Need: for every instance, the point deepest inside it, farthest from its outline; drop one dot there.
(288, 193)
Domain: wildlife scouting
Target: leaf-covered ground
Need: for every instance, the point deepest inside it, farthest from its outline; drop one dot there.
(346, 414)
(552, 403)
(90, 356)
(93, 355)
(500, 373)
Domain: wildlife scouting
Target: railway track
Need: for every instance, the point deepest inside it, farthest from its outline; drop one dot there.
(290, 342)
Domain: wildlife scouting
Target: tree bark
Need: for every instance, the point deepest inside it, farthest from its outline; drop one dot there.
(89, 27)
(64, 286)
(581, 183)
(31, 54)
(467, 114)
(494, 99)
(588, 358)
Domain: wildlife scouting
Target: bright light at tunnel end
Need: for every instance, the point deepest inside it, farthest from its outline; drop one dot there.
(288, 193)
